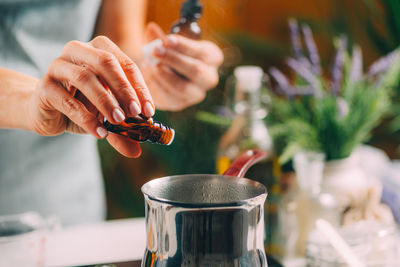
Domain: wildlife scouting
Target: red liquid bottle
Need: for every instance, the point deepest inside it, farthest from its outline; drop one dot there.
(187, 25)
(142, 129)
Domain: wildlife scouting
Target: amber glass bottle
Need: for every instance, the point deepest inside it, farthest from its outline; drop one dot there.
(187, 25)
(143, 129)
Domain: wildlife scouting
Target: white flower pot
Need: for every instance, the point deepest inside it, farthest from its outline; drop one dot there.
(345, 178)
(344, 175)
(356, 188)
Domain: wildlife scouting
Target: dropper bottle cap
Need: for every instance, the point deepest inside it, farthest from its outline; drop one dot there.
(249, 78)
(191, 9)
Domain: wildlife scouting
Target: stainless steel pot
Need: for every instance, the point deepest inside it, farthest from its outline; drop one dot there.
(206, 220)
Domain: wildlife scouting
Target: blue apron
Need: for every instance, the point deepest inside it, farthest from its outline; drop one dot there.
(59, 175)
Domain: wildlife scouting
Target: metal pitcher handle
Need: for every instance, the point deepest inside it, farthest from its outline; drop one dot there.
(247, 159)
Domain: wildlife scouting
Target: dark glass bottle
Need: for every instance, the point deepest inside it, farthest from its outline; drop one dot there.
(187, 25)
(142, 129)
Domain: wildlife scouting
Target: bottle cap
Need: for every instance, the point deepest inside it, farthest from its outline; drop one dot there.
(191, 9)
(248, 78)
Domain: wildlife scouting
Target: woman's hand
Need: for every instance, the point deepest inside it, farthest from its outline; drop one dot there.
(197, 61)
(87, 82)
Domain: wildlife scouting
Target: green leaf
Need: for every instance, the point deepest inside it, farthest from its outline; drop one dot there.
(214, 119)
(289, 152)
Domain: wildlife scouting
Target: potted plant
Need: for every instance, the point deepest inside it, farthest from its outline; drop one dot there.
(331, 112)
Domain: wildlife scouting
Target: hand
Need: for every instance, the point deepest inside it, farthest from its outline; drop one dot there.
(197, 61)
(87, 82)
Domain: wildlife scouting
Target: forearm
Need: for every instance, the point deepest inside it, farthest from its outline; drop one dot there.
(15, 92)
(123, 22)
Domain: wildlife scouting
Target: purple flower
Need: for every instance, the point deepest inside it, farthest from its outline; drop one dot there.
(295, 38)
(382, 64)
(283, 82)
(304, 72)
(356, 70)
(312, 49)
(286, 88)
(337, 69)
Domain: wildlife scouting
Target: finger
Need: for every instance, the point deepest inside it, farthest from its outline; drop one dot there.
(107, 66)
(126, 146)
(189, 93)
(203, 75)
(172, 94)
(132, 72)
(89, 85)
(153, 31)
(89, 105)
(62, 101)
(205, 51)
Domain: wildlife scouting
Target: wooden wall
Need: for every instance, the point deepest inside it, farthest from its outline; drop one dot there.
(268, 18)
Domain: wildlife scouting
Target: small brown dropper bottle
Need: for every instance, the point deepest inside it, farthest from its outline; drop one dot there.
(187, 25)
(142, 129)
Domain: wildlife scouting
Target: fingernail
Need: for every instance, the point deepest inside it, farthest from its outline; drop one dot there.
(160, 50)
(118, 115)
(134, 108)
(148, 109)
(171, 40)
(102, 132)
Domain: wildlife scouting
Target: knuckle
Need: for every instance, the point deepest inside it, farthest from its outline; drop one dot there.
(53, 65)
(47, 128)
(70, 105)
(44, 82)
(70, 45)
(214, 80)
(168, 56)
(107, 60)
(43, 97)
(104, 100)
(196, 69)
(141, 89)
(124, 87)
(131, 67)
(220, 57)
(82, 75)
(217, 59)
(43, 94)
(200, 96)
(85, 119)
(212, 53)
(101, 39)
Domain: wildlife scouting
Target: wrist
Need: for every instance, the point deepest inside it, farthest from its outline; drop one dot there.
(16, 90)
(22, 116)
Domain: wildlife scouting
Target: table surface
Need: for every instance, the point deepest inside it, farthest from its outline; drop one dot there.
(104, 242)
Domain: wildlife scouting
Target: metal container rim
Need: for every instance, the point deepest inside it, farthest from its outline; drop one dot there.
(261, 195)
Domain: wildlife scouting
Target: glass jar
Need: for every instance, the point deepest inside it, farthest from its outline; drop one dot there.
(375, 244)
(303, 205)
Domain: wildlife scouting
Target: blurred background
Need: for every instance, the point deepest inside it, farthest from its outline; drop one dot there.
(250, 32)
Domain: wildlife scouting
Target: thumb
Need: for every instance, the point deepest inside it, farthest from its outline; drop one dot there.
(153, 31)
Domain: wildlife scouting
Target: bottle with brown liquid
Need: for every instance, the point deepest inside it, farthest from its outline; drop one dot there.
(187, 25)
(142, 129)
